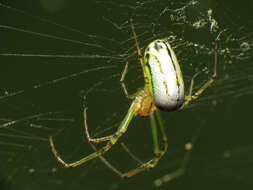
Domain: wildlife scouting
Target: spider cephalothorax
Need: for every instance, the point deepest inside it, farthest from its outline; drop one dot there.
(144, 104)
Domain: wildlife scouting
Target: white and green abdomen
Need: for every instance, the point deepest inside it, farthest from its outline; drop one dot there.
(167, 85)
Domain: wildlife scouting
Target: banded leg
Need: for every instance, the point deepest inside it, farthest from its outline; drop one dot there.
(112, 139)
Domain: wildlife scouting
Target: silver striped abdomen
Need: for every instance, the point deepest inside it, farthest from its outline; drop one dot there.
(167, 85)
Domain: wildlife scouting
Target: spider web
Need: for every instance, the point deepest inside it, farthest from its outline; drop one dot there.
(58, 57)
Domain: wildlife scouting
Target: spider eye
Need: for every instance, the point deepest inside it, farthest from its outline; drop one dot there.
(159, 46)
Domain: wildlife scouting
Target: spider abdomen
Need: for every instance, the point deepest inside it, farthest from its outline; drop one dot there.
(164, 73)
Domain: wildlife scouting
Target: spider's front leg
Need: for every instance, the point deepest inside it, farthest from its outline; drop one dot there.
(112, 139)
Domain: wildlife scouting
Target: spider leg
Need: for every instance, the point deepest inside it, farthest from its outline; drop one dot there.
(164, 137)
(122, 83)
(122, 80)
(94, 140)
(181, 170)
(192, 84)
(108, 164)
(141, 60)
(112, 139)
(158, 153)
(191, 97)
(151, 163)
(137, 46)
(140, 57)
(126, 149)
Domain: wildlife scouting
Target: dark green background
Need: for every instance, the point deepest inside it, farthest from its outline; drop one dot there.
(220, 119)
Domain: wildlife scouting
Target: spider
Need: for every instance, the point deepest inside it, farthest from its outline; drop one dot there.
(163, 90)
